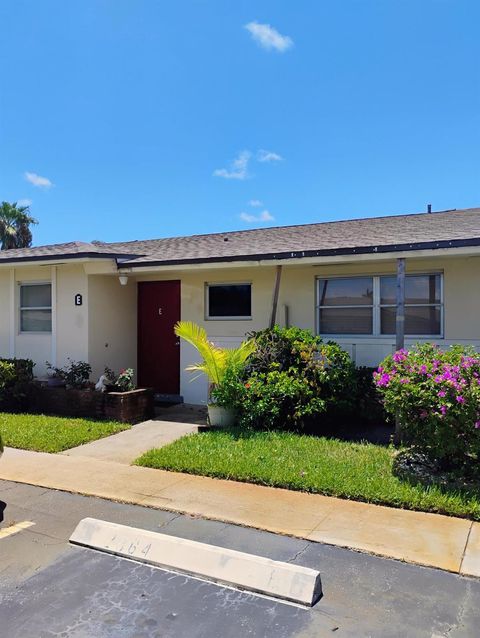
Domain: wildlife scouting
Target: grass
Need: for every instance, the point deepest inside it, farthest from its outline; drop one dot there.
(356, 471)
(51, 433)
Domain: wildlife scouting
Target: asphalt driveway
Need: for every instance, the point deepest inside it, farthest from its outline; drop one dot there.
(49, 588)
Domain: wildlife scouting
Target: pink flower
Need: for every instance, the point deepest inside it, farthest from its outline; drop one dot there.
(460, 399)
(443, 409)
(442, 393)
(400, 356)
(477, 424)
(383, 380)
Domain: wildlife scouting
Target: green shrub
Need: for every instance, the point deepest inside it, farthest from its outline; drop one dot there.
(280, 400)
(368, 406)
(231, 391)
(7, 374)
(76, 374)
(436, 396)
(291, 378)
(16, 383)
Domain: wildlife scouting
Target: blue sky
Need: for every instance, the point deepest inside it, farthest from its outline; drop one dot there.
(138, 119)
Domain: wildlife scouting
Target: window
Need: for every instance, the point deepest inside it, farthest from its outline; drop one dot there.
(423, 307)
(36, 307)
(346, 305)
(367, 305)
(229, 301)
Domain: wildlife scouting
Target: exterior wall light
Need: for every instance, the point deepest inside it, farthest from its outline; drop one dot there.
(123, 279)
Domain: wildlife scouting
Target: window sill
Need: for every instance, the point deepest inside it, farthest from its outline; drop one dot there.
(228, 318)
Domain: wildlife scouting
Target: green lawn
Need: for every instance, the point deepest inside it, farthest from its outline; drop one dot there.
(357, 471)
(52, 433)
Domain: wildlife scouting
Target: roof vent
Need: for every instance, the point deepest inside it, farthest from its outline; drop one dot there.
(225, 239)
(429, 208)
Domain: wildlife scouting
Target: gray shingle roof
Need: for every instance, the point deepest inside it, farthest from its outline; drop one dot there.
(376, 234)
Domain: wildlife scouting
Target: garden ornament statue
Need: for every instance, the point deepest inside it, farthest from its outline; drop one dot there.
(101, 384)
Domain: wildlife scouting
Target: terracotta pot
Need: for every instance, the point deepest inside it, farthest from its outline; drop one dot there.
(220, 417)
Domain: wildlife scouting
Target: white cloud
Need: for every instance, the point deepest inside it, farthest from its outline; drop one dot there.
(38, 180)
(238, 168)
(268, 156)
(255, 203)
(24, 202)
(265, 216)
(268, 37)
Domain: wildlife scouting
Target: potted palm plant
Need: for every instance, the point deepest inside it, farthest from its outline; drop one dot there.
(215, 364)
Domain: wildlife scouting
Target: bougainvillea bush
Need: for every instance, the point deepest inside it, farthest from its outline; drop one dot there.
(436, 396)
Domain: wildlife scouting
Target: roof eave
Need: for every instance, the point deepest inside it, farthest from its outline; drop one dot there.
(80, 257)
(330, 252)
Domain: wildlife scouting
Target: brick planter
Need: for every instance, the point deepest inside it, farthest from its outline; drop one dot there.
(127, 407)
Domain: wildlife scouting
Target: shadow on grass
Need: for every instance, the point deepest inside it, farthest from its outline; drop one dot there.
(416, 469)
(378, 433)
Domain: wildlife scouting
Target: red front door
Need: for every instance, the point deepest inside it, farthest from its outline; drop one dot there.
(158, 347)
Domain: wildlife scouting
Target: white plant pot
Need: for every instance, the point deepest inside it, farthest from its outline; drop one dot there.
(220, 417)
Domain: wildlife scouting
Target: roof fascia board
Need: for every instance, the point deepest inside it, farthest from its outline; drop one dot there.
(305, 261)
(285, 257)
(31, 262)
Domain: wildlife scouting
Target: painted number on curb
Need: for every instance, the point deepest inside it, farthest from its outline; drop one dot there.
(119, 545)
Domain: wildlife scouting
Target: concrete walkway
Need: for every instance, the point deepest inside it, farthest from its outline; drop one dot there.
(452, 544)
(127, 446)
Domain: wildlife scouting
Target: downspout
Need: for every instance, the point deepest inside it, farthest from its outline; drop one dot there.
(276, 289)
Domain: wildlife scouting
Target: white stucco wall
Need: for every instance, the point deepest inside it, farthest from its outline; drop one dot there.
(69, 334)
(298, 292)
(112, 324)
(71, 321)
(4, 313)
(103, 330)
(36, 346)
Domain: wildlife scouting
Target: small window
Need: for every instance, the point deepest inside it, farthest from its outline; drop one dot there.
(346, 305)
(36, 307)
(229, 301)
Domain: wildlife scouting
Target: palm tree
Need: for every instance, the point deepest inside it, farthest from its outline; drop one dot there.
(215, 360)
(15, 224)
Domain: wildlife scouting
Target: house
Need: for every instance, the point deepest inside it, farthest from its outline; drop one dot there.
(115, 304)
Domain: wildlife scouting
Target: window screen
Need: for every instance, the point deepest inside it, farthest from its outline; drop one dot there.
(346, 305)
(422, 305)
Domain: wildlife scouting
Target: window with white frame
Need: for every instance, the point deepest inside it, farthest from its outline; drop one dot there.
(36, 307)
(367, 305)
(228, 301)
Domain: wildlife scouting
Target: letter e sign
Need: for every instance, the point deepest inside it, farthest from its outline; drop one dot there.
(78, 300)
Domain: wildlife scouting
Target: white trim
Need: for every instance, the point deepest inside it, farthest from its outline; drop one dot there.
(12, 311)
(45, 282)
(54, 316)
(216, 284)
